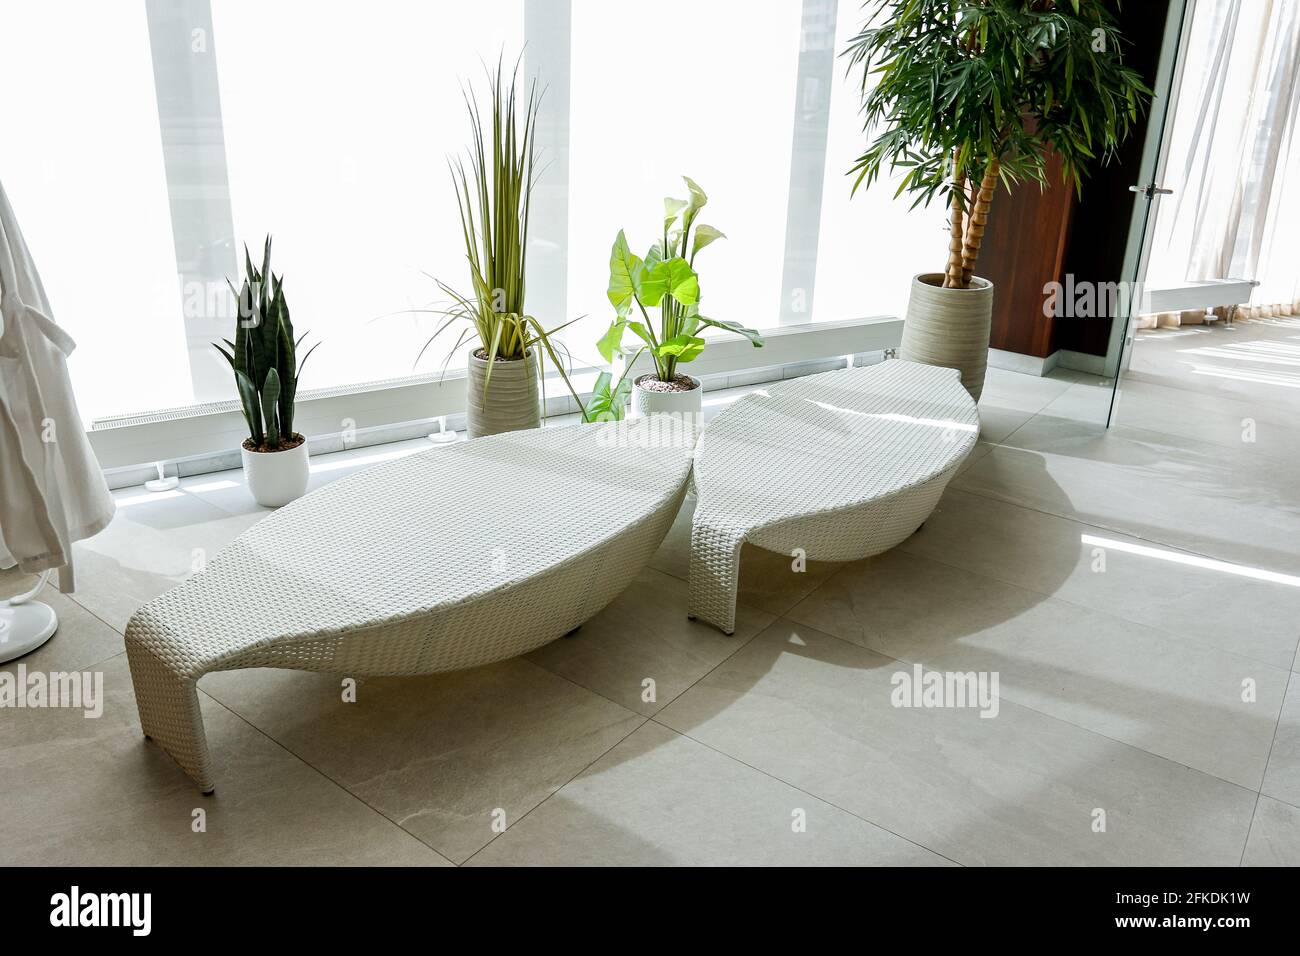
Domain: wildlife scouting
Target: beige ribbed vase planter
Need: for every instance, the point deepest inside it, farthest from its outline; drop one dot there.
(950, 327)
(510, 403)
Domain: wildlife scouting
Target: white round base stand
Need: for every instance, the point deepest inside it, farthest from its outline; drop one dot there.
(25, 627)
(442, 436)
(162, 482)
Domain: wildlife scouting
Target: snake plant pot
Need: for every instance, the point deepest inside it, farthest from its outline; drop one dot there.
(276, 478)
(682, 398)
(950, 327)
(507, 401)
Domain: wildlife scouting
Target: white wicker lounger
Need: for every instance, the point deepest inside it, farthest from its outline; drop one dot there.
(435, 562)
(842, 465)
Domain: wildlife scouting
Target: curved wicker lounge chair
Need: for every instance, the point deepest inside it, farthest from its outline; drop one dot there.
(841, 465)
(434, 562)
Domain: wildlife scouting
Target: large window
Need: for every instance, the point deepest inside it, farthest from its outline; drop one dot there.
(694, 90)
(84, 171)
(339, 119)
(159, 136)
(870, 244)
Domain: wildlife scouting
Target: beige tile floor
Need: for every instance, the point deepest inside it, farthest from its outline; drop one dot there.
(1118, 584)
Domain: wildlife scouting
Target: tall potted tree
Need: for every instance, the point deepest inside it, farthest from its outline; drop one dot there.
(968, 94)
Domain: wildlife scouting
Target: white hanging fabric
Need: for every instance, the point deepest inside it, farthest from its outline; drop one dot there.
(52, 491)
(1234, 152)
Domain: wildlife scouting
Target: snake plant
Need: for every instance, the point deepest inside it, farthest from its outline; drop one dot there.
(263, 356)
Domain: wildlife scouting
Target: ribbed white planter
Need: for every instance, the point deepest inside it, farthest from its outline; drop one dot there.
(646, 402)
(510, 402)
(950, 327)
(276, 478)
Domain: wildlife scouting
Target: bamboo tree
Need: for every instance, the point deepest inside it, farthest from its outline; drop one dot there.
(979, 218)
(957, 240)
(959, 92)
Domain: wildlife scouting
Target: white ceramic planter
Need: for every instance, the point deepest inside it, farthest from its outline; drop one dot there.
(510, 402)
(275, 478)
(646, 402)
(950, 327)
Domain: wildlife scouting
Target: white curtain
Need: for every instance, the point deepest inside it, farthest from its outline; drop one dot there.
(1233, 161)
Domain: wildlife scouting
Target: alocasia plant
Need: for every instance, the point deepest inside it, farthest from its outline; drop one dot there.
(664, 279)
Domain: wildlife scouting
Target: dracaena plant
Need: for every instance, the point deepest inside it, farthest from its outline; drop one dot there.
(263, 356)
(665, 280)
(970, 93)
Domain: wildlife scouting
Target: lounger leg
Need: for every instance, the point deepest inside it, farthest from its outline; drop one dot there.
(169, 713)
(715, 574)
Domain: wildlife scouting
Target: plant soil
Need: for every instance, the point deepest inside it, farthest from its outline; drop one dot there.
(682, 383)
(481, 354)
(285, 445)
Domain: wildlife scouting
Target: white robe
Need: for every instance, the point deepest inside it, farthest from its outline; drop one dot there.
(52, 491)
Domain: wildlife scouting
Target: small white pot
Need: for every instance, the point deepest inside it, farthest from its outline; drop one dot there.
(646, 402)
(275, 478)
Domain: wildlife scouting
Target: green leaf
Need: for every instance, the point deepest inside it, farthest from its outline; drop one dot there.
(249, 398)
(672, 208)
(684, 348)
(622, 392)
(643, 333)
(655, 255)
(607, 404)
(697, 200)
(703, 236)
(672, 277)
(597, 408)
(736, 327)
(625, 269)
(270, 408)
(286, 362)
(609, 343)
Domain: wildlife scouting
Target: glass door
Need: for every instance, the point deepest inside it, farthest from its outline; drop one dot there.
(1148, 191)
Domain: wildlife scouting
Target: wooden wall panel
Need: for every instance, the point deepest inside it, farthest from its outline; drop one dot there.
(1024, 248)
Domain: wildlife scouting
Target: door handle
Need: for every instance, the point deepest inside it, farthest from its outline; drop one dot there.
(1151, 190)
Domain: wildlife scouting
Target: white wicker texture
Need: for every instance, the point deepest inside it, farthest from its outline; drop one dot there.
(435, 562)
(842, 465)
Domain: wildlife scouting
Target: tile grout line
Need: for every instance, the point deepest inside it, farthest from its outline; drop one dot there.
(644, 720)
(1041, 713)
(395, 823)
(1253, 813)
(1078, 519)
(1088, 730)
(321, 773)
(798, 789)
(1053, 595)
(1193, 641)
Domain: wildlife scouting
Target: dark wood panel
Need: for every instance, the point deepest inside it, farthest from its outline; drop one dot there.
(1023, 251)
(1099, 233)
(1034, 237)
